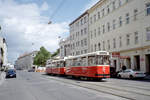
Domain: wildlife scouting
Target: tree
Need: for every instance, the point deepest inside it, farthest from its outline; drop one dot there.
(42, 56)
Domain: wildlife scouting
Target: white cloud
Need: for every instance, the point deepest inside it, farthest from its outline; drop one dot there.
(23, 25)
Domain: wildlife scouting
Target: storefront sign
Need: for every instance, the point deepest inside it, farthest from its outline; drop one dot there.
(115, 54)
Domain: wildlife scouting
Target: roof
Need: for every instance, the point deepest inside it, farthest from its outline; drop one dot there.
(90, 54)
(86, 12)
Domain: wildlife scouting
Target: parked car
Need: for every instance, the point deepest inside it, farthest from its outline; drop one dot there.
(31, 70)
(11, 73)
(129, 73)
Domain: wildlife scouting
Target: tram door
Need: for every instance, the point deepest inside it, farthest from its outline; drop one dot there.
(148, 63)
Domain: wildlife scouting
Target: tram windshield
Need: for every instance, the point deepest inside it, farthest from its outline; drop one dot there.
(98, 60)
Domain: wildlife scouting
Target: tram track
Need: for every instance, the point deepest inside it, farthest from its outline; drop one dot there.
(130, 95)
(129, 86)
(119, 89)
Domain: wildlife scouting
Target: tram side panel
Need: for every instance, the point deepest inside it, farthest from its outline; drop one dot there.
(89, 71)
(103, 71)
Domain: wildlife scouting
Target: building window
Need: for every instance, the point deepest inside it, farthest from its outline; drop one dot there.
(108, 10)
(120, 21)
(91, 20)
(128, 39)
(95, 32)
(85, 31)
(103, 28)
(82, 43)
(98, 15)
(94, 18)
(95, 47)
(99, 31)
(85, 51)
(103, 12)
(99, 46)
(120, 43)
(114, 7)
(103, 45)
(135, 14)
(108, 44)
(114, 25)
(81, 21)
(108, 26)
(114, 43)
(148, 33)
(148, 8)
(78, 43)
(85, 19)
(76, 34)
(81, 32)
(136, 37)
(127, 18)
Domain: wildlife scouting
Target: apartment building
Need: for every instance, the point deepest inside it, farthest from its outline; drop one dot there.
(121, 27)
(25, 61)
(79, 35)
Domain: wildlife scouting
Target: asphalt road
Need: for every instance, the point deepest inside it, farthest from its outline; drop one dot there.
(35, 86)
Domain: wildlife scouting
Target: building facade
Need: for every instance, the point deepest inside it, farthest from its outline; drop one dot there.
(64, 45)
(25, 62)
(122, 27)
(79, 35)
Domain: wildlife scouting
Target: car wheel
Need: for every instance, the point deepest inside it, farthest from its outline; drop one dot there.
(131, 77)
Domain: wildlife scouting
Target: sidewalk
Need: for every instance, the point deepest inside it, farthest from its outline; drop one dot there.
(2, 77)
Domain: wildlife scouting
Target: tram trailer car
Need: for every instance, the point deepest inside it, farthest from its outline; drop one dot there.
(90, 65)
(56, 67)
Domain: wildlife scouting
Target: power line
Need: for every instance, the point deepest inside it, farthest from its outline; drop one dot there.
(57, 9)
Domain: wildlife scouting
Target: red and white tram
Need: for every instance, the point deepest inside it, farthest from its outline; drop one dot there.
(90, 65)
(56, 67)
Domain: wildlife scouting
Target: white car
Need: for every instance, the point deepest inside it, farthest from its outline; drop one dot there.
(129, 73)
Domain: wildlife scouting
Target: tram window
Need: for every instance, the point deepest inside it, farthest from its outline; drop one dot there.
(83, 62)
(91, 61)
(103, 60)
(68, 63)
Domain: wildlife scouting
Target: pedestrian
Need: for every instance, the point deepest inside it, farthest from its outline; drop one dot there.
(124, 67)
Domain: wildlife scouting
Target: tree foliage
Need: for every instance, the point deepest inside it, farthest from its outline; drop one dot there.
(41, 57)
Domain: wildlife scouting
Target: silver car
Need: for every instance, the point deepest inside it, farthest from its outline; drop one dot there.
(129, 73)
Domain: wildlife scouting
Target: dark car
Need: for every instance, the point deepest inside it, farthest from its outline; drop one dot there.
(31, 70)
(11, 73)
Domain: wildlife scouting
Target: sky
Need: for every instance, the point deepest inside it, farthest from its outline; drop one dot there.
(25, 23)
